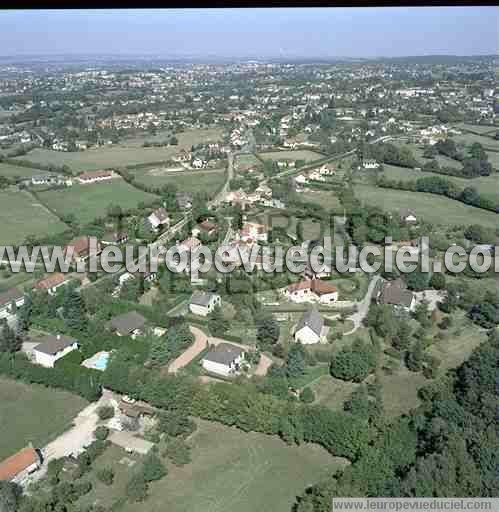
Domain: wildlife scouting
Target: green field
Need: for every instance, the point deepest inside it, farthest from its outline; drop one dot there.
(185, 139)
(469, 138)
(444, 161)
(247, 159)
(328, 200)
(21, 215)
(430, 207)
(477, 128)
(187, 181)
(234, 470)
(299, 154)
(33, 413)
(88, 202)
(16, 171)
(120, 155)
(486, 185)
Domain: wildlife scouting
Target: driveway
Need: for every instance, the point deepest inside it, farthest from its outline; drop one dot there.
(430, 296)
(363, 306)
(201, 341)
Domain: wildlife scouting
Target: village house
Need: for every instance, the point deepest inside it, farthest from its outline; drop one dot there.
(311, 329)
(408, 216)
(203, 303)
(189, 244)
(207, 227)
(115, 238)
(7, 301)
(128, 324)
(252, 231)
(264, 190)
(51, 283)
(395, 293)
(311, 290)
(184, 200)
(224, 359)
(95, 177)
(50, 179)
(83, 247)
(52, 348)
(198, 163)
(158, 219)
(19, 466)
(370, 164)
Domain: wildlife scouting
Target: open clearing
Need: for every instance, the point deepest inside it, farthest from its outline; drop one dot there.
(299, 154)
(187, 181)
(88, 202)
(119, 155)
(469, 138)
(328, 200)
(486, 185)
(247, 159)
(33, 413)
(234, 470)
(430, 207)
(185, 139)
(21, 215)
(477, 128)
(17, 171)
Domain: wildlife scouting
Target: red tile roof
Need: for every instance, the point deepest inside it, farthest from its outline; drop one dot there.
(18, 462)
(50, 281)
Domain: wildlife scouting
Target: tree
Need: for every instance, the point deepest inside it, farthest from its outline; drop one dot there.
(10, 495)
(437, 281)
(24, 315)
(402, 340)
(417, 281)
(415, 357)
(307, 396)
(354, 363)
(267, 331)
(105, 412)
(178, 452)
(295, 362)
(9, 340)
(159, 353)
(136, 488)
(101, 433)
(217, 324)
(106, 476)
(153, 468)
(74, 310)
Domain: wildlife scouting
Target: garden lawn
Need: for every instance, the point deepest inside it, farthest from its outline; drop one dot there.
(33, 413)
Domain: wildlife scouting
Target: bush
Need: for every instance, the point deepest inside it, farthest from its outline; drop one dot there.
(106, 412)
(307, 396)
(101, 433)
(153, 468)
(178, 452)
(106, 476)
(136, 488)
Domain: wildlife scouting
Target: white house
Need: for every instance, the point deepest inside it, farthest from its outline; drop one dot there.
(311, 290)
(408, 216)
(203, 303)
(311, 328)
(7, 299)
(370, 164)
(198, 163)
(158, 218)
(53, 348)
(95, 176)
(225, 359)
(18, 466)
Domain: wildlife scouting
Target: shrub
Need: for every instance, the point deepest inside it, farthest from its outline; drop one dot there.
(136, 488)
(153, 468)
(106, 412)
(101, 433)
(106, 476)
(307, 396)
(178, 452)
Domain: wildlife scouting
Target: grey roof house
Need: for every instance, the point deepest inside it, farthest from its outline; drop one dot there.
(310, 329)
(127, 324)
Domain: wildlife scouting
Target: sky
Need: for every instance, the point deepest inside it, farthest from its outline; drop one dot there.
(253, 33)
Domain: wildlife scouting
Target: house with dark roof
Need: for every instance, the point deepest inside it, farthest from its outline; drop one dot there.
(18, 466)
(7, 299)
(203, 303)
(129, 324)
(395, 293)
(311, 329)
(52, 348)
(224, 359)
(115, 238)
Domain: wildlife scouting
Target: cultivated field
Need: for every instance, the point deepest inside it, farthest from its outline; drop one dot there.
(185, 139)
(299, 154)
(187, 181)
(33, 413)
(21, 215)
(88, 202)
(16, 171)
(430, 207)
(486, 185)
(120, 155)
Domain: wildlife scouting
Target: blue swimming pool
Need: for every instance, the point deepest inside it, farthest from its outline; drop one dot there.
(102, 361)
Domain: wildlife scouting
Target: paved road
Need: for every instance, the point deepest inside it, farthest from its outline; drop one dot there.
(363, 306)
